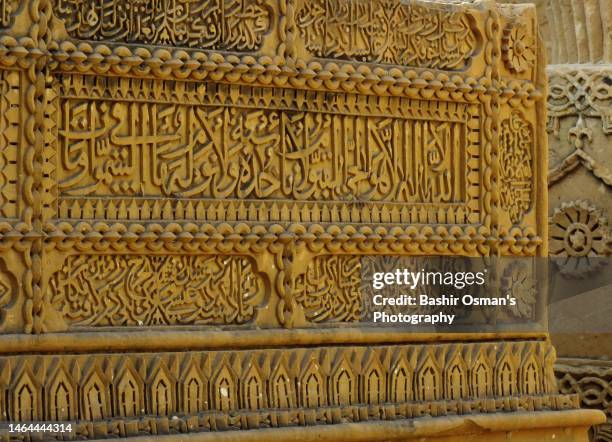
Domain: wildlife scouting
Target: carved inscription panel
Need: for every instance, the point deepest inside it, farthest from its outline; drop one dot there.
(407, 33)
(124, 290)
(232, 25)
(387, 31)
(516, 166)
(128, 145)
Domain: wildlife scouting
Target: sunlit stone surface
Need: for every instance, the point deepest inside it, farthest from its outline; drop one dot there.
(188, 189)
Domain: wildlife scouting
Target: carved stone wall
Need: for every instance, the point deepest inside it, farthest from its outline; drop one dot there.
(179, 176)
(580, 127)
(580, 112)
(578, 35)
(574, 31)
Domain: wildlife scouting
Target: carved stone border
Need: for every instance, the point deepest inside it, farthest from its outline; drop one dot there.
(240, 389)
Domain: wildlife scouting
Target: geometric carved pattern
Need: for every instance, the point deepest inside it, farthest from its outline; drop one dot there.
(601, 433)
(593, 385)
(384, 31)
(233, 25)
(519, 47)
(516, 146)
(124, 290)
(254, 389)
(579, 120)
(576, 91)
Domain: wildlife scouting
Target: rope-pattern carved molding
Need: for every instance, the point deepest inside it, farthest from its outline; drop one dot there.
(7, 10)
(322, 385)
(265, 71)
(241, 237)
(164, 64)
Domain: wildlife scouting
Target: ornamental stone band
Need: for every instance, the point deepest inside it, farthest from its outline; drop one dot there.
(189, 190)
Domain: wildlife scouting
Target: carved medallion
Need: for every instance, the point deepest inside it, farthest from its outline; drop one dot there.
(578, 230)
(519, 47)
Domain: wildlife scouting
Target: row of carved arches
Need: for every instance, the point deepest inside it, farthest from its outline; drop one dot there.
(106, 386)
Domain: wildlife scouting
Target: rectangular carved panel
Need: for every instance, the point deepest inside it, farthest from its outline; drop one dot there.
(389, 32)
(124, 290)
(142, 149)
(330, 289)
(234, 25)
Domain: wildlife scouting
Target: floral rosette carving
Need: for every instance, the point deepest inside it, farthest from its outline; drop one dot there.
(578, 231)
(519, 47)
(518, 281)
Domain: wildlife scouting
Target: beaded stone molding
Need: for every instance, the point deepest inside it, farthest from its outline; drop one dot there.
(181, 181)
